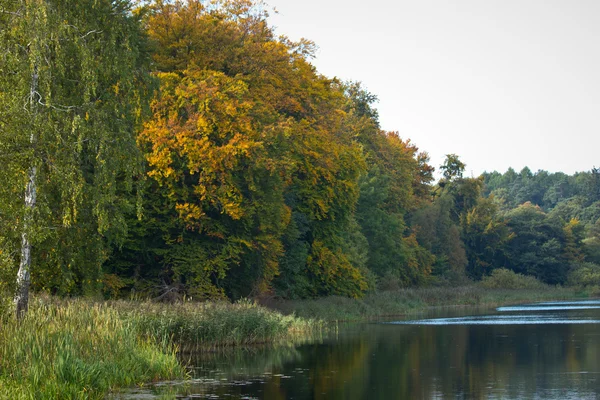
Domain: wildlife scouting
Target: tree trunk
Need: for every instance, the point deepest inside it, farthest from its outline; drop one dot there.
(24, 276)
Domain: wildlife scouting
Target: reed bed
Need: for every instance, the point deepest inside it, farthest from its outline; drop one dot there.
(411, 301)
(193, 326)
(79, 349)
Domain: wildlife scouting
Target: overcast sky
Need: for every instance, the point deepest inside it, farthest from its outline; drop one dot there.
(501, 83)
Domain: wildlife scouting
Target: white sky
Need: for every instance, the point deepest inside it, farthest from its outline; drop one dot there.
(501, 83)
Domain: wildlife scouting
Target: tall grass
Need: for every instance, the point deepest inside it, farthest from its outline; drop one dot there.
(211, 325)
(407, 301)
(77, 350)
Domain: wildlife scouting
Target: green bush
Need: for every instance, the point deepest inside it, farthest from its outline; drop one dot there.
(585, 275)
(503, 278)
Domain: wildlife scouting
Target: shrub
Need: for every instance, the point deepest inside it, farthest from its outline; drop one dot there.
(585, 275)
(503, 278)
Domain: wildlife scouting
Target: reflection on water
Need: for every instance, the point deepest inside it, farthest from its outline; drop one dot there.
(567, 303)
(506, 355)
(545, 308)
(554, 306)
(532, 319)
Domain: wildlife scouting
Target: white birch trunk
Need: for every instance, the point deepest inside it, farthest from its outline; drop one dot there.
(24, 276)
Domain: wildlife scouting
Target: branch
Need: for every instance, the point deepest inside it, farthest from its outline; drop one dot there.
(58, 107)
(89, 33)
(3, 11)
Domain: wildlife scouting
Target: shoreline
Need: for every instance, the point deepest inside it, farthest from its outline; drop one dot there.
(405, 302)
(50, 353)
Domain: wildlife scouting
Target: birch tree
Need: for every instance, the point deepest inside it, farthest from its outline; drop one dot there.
(73, 85)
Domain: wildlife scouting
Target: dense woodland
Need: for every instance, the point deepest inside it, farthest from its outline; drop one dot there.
(183, 149)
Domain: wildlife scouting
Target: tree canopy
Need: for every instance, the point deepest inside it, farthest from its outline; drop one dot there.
(182, 148)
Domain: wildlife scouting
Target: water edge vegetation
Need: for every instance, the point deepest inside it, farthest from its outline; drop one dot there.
(80, 348)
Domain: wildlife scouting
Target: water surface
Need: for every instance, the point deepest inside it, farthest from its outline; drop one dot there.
(538, 351)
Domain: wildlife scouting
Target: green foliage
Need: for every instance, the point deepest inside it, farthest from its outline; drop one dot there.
(393, 185)
(89, 62)
(485, 234)
(229, 146)
(293, 282)
(439, 234)
(539, 247)
(568, 195)
(77, 350)
(553, 217)
(204, 326)
(452, 168)
(584, 275)
(592, 250)
(333, 272)
(263, 178)
(503, 278)
(7, 265)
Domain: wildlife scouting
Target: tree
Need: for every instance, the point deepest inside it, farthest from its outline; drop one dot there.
(437, 231)
(539, 247)
(486, 235)
(452, 167)
(82, 68)
(253, 151)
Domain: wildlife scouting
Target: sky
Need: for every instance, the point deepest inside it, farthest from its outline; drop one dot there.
(501, 83)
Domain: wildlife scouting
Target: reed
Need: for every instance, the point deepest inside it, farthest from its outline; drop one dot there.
(77, 350)
(212, 325)
(415, 300)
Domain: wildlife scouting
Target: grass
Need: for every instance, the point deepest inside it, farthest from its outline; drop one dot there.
(408, 301)
(79, 349)
(193, 326)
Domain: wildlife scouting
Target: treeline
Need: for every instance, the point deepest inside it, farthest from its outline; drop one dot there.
(555, 220)
(543, 225)
(182, 148)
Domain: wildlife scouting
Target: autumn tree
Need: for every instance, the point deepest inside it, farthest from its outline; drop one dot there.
(246, 141)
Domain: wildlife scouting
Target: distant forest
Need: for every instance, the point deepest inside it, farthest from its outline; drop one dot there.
(181, 148)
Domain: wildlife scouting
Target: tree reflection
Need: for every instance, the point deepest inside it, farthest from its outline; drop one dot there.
(411, 362)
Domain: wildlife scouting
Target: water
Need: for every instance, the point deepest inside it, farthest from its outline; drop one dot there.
(538, 351)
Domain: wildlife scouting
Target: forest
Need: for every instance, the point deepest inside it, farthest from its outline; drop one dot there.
(172, 149)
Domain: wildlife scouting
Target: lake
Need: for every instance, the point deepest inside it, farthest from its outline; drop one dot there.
(543, 351)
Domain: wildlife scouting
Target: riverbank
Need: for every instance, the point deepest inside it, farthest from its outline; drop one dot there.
(411, 301)
(79, 349)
